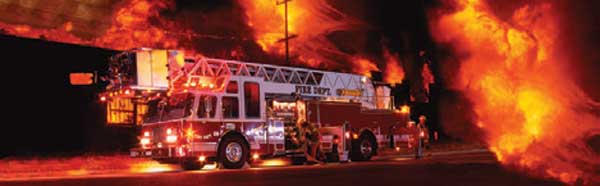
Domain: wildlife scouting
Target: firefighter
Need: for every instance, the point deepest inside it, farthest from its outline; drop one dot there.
(415, 141)
(419, 150)
(310, 136)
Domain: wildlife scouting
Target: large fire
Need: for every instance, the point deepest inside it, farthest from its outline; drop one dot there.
(307, 20)
(144, 23)
(129, 27)
(533, 114)
(309, 24)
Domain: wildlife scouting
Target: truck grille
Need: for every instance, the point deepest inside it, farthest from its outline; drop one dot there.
(158, 134)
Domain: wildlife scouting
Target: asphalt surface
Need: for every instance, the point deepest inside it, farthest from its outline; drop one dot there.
(451, 168)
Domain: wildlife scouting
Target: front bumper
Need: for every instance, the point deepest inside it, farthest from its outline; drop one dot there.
(172, 153)
(152, 153)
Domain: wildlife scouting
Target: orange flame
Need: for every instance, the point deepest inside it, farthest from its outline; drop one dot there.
(394, 73)
(428, 77)
(363, 66)
(58, 34)
(309, 22)
(129, 28)
(533, 114)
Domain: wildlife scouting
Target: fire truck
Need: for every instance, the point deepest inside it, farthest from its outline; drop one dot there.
(194, 111)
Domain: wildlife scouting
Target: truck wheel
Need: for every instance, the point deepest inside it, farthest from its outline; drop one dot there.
(363, 148)
(233, 152)
(191, 165)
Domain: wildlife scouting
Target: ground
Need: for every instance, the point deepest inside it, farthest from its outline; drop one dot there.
(465, 167)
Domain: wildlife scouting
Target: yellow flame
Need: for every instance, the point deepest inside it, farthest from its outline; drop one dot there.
(394, 73)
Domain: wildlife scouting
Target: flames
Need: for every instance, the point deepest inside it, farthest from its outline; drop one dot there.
(394, 73)
(309, 24)
(362, 65)
(267, 18)
(129, 27)
(533, 115)
(62, 33)
(427, 77)
(144, 23)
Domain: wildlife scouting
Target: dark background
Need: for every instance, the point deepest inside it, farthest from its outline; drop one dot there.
(43, 113)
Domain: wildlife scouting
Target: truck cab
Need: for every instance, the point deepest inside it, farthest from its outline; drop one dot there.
(190, 126)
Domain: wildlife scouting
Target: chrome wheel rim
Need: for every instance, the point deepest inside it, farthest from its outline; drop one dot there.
(233, 152)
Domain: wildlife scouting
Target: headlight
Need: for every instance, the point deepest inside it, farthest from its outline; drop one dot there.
(144, 141)
(171, 138)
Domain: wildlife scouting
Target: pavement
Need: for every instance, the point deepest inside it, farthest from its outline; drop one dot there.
(464, 167)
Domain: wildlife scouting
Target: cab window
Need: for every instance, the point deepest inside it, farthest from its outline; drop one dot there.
(206, 106)
(252, 99)
(230, 108)
(153, 113)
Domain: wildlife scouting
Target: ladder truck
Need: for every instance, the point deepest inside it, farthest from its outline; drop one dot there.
(194, 111)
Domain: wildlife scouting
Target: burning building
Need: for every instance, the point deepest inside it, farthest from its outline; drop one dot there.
(512, 68)
(254, 32)
(509, 63)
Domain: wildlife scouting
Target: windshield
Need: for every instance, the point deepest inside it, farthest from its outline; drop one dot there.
(153, 114)
(174, 107)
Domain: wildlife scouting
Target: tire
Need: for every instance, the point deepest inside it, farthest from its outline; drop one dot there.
(363, 148)
(233, 152)
(191, 165)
